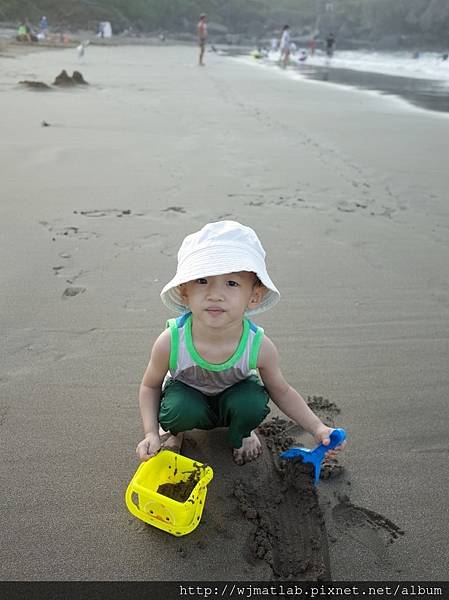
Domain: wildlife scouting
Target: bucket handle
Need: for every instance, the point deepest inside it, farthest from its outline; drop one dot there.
(141, 514)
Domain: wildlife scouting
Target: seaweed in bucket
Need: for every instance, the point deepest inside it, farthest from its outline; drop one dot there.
(181, 490)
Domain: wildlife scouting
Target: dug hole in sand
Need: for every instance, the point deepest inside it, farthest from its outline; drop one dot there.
(276, 523)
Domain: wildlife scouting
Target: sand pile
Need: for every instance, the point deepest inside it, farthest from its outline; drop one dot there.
(61, 80)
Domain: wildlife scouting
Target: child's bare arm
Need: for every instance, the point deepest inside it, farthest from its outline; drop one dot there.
(285, 397)
(150, 395)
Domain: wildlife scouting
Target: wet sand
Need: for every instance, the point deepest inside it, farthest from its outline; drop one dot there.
(424, 93)
(348, 192)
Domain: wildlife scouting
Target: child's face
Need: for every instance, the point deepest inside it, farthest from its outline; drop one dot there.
(222, 299)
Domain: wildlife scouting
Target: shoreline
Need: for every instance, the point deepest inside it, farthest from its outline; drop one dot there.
(423, 93)
(426, 94)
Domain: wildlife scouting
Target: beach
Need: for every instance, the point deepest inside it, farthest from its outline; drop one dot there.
(100, 183)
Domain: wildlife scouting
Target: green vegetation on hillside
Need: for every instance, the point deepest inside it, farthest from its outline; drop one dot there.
(358, 19)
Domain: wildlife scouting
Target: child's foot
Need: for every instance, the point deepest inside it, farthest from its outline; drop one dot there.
(173, 442)
(250, 450)
(170, 441)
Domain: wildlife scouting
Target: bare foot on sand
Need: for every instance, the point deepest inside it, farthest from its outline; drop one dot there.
(250, 450)
(170, 441)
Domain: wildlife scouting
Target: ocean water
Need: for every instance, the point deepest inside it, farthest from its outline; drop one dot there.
(422, 81)
(428, 65)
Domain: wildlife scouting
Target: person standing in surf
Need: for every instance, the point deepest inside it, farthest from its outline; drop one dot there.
(330, 45)
(201, 31)
(284, 46)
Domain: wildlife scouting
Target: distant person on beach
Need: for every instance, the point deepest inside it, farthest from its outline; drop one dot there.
(284, 46)
(330, 45)
(25, 32)
(43, 25)
(22, 34)
(213, 367)
(81, 49)
(312, 45)
(201, 30)
(445, 56)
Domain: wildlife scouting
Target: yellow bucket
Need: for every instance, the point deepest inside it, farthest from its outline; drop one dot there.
(145, 503)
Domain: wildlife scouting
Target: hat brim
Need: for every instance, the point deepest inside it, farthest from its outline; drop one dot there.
(224, 260)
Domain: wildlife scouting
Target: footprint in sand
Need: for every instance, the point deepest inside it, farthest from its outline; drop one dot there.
(168, 251)
(387, 212)
(176, 209)
(71, 291)
(104, 213)
(344, 207)
(284, 201)
(365, 527)
(60, 271)
(71, 231)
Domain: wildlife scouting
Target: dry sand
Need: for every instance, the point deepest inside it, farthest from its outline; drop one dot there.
(348, 192)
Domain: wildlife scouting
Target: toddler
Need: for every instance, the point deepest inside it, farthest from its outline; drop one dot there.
(212, 366)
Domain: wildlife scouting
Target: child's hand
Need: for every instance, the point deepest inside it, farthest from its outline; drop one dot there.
(149, 446)
(321, 436)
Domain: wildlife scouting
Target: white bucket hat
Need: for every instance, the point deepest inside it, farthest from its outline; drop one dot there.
(219, 248)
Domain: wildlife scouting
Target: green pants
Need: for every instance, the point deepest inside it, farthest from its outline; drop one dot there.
(241, 408)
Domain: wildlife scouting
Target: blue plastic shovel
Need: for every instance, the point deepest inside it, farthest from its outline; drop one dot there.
(316, 455)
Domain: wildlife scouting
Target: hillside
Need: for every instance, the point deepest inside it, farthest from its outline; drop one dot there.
(380, 22)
